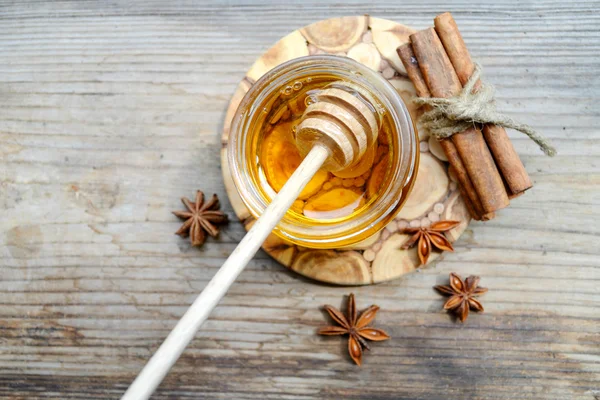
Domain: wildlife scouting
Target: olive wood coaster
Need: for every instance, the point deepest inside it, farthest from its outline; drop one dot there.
(435, 196)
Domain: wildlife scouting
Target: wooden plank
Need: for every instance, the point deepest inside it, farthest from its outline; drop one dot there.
(109, 112)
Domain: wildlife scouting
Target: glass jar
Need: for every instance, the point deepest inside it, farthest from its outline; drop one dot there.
(244, 143)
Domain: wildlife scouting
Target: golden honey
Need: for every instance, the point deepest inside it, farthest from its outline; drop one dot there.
(335, 209)
(329, 195)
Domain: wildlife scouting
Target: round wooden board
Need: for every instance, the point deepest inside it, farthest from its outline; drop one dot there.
(373, 42)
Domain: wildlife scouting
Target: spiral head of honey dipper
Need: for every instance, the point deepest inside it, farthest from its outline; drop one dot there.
(344, 119)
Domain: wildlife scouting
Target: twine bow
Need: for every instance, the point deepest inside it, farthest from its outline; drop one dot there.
(456, 114)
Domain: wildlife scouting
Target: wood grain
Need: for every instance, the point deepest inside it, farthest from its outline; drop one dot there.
(111, 111)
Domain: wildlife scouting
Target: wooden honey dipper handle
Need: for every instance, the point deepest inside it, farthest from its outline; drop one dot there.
(170, 350)
(333, 134)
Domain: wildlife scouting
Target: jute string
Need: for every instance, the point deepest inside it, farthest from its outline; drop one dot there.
(456, 114)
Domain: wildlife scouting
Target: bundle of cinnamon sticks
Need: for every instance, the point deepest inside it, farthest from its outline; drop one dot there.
(486, 165)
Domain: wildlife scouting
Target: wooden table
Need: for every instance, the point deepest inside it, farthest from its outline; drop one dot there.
(111, 111)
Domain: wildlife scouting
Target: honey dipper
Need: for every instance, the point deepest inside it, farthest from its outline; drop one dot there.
(334, 133)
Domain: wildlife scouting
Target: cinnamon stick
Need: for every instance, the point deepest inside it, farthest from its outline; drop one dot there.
(464, 181)
(499, 143)
(468, 203)
(465, 198)
(407, 56)
(472, 201)
(442, 81)
(510, 194)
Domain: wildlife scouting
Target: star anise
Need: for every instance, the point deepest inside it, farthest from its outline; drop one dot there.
(462, 295)
(430, 237)
(355, 327)
(200, 218)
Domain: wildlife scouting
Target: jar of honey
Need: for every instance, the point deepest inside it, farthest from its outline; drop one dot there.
(336, 209)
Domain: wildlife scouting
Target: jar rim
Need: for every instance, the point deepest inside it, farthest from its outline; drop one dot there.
(330, 233)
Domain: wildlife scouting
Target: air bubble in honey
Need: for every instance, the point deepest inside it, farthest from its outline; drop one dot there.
(310, 100)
